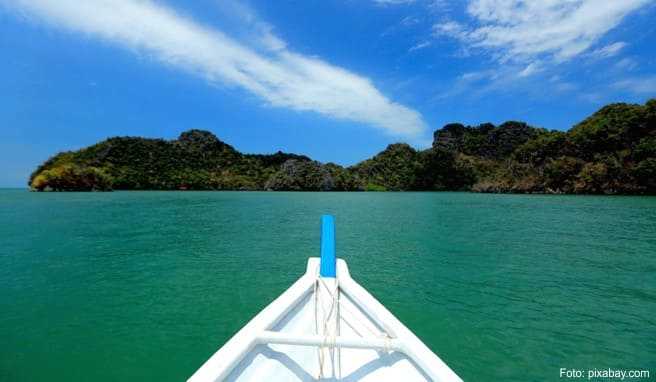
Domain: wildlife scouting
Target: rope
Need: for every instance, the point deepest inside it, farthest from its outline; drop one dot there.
(329, 336)
(366, 324)
(316, 325)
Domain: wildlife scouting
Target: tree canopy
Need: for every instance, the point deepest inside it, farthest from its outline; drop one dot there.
(613, 151)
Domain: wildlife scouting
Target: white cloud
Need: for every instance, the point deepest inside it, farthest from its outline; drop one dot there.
(626, 64)
(530, 69)
(436, 6)
(451, 29)
(409, 21)
(524, 29)
(420, 45)
(276, 74)
(637, 85)
(531, 80)
(608, 50)
(476, 76)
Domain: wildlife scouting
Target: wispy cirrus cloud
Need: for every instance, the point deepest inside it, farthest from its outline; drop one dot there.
(609, 50)
(529, 41)
(274, 73)
(531, 69)
(420, 45)
(626, 64)
(637, 85)
(450, 29)
(522, 30)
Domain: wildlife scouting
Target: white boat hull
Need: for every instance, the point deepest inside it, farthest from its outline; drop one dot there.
(324, 328)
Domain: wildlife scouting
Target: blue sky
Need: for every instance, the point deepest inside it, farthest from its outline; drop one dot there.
(337, 80)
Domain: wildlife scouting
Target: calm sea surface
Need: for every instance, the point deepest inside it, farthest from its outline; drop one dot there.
(147, 285)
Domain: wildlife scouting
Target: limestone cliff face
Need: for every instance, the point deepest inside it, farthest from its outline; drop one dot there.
(486, 140)
(296, 175)
(611, 152)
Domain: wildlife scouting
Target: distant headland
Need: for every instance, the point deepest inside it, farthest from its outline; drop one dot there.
(611, 152)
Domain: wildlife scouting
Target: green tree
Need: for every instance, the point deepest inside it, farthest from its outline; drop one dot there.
(645, 175)
(560, 173)
(70, 177)
(395, 168)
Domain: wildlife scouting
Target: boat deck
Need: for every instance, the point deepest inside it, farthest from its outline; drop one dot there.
(324, 329)
(281, 362)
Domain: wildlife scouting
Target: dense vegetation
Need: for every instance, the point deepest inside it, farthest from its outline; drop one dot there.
(613, 152)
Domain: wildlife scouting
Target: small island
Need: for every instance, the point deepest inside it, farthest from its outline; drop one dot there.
(611, 152)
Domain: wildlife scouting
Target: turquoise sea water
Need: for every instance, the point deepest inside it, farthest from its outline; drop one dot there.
(147, 285)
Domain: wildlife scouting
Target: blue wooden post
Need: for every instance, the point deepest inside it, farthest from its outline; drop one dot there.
(328, 260)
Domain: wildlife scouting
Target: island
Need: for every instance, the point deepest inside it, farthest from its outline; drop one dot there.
(613, 151)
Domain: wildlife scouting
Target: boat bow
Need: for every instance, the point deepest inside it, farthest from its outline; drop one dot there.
(325, 326)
